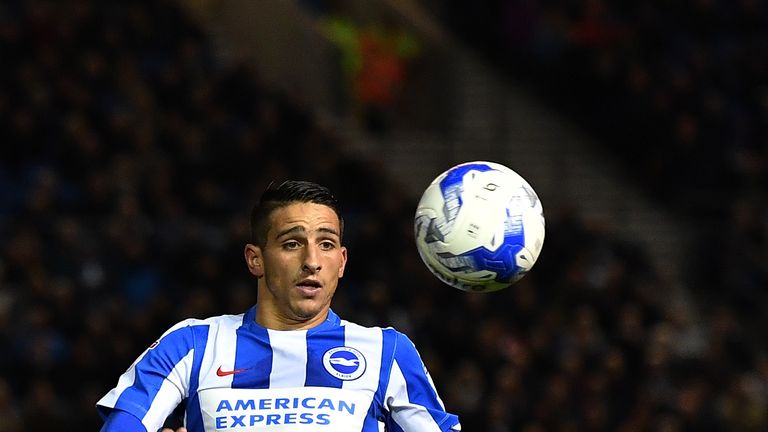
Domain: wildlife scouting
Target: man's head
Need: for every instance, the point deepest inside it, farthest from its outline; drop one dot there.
(296, 254)
(288, 192)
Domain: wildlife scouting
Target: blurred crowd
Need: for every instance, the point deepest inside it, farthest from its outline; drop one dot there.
(130, 157)
(677, 93)
(680, 91)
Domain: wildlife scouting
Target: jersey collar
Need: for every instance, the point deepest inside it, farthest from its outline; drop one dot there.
(333, 320)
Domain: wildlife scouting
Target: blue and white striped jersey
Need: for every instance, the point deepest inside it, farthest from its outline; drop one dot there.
(234, 375)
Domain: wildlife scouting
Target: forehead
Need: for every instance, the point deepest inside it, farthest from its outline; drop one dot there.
(308, 215)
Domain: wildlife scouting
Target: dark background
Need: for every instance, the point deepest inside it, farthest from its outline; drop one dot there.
(131, 154)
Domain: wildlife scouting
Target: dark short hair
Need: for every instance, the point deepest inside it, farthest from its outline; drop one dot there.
(284, 194)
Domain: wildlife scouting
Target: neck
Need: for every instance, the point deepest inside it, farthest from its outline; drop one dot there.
(278, 320)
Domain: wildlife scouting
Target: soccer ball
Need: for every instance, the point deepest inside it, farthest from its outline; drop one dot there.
(479, 227)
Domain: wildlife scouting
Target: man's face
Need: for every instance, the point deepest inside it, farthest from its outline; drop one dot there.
(299, 266)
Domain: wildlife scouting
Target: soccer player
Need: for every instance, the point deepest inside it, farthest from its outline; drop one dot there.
(289, 363)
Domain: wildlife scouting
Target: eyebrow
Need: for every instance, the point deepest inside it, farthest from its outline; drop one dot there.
(300, 229)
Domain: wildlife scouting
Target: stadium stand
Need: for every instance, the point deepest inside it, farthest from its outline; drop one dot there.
(130, 156)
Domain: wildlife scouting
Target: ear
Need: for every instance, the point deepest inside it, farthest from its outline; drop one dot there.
(254, 260)
(343, 261)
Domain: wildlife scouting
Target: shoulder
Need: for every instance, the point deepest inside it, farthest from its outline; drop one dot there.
(214, 321)
(386, 332)
(191, 328)
(393, 341)
(219, 321)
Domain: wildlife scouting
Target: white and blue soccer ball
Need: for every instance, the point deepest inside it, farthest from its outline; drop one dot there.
(479, 226)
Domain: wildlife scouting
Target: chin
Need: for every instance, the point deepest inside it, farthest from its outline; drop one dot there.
(308, 308)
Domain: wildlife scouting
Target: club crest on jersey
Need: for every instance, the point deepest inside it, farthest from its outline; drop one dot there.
(345, 363)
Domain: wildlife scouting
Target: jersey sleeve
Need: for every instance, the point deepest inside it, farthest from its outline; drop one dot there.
(121, 421)
(157, 381)
(411, 398)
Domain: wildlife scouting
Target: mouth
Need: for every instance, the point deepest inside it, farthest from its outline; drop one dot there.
(309, 286)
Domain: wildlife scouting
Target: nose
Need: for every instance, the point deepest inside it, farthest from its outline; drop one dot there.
(311, 268)
(311, 261)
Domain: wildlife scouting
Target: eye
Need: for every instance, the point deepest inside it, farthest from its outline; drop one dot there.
(327, 245)
(291, 245)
